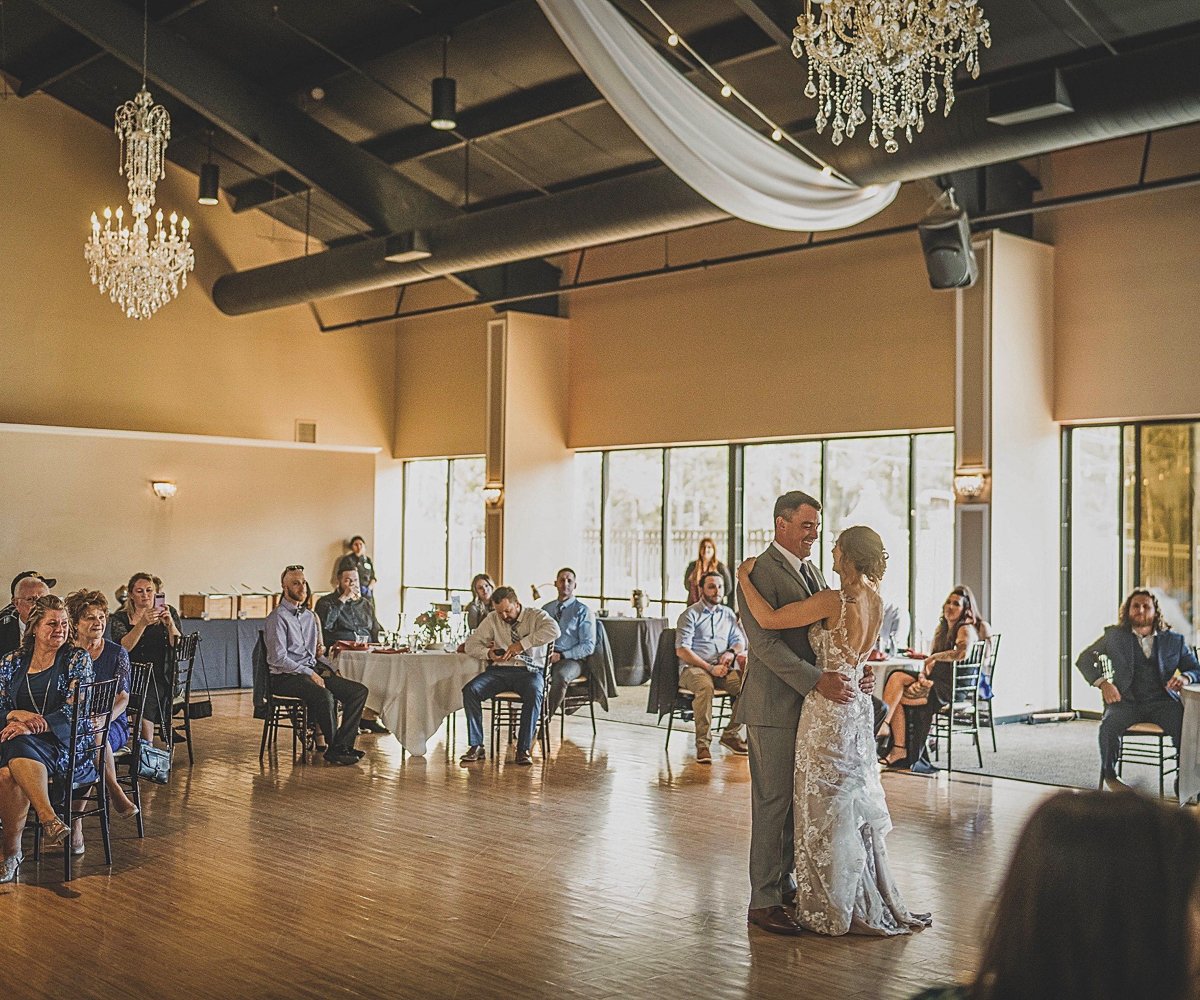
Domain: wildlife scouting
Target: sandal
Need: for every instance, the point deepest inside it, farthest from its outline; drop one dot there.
(55, 831)
(891, 760)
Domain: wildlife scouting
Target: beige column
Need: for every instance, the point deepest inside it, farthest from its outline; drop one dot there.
(1007, 532)
(529, 530)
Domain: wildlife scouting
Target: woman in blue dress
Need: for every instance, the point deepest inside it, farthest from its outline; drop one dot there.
(35, 709)
(88, 611)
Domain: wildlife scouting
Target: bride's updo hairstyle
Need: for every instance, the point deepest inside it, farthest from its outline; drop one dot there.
(864, 550)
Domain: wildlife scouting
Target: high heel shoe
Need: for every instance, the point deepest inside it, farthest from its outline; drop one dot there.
(55, 831)
(9, 868)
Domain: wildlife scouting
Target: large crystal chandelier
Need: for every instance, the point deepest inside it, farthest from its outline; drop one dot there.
(896, 50)
(138, 271)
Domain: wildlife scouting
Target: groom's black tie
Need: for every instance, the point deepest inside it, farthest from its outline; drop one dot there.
(810, 577)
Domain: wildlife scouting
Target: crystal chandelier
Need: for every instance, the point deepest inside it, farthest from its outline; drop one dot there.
(138, 271)
(894, 49)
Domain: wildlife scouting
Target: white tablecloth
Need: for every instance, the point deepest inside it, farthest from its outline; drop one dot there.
(412, 692)
(1189, 746)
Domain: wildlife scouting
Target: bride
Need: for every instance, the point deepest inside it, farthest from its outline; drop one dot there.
(844, 883)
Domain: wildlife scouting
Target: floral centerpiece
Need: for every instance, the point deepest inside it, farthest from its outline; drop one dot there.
(434, 626)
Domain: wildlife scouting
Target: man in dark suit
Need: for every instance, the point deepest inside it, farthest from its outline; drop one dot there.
(780, 671)
(26, 588)
(1139, 665)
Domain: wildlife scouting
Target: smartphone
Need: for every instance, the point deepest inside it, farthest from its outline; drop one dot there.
(160, 602)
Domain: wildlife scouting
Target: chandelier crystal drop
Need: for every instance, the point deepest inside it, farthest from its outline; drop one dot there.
(894, 50)
(138, 271)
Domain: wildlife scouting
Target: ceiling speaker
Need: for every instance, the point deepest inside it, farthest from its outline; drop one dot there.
(946, 240)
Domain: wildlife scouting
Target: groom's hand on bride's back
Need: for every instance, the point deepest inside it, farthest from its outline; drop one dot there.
(866, 683)
(836, 687)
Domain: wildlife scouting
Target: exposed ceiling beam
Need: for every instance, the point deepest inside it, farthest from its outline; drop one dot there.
(775, 18)
(359, 181)
(724, 45)
(321, 68)
(73, 53)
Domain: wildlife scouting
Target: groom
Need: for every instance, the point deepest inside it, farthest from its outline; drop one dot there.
(779, 673)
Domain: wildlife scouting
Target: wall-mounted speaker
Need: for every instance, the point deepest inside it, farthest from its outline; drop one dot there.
(946, 240)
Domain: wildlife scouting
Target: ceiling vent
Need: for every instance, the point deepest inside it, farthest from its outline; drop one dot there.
(306, 431)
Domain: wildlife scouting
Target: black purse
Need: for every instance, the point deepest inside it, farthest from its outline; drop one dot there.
(153, 763)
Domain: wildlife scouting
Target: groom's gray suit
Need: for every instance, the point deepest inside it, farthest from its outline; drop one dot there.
(780, 671)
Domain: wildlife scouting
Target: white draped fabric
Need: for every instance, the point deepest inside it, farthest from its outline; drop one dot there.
(719, 156)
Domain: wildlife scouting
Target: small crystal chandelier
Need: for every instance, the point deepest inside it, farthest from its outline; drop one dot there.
(138, 271)
(896, 50)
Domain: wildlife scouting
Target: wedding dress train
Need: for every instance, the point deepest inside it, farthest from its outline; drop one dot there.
(844, 883)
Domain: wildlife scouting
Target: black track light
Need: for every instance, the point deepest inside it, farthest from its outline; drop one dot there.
(210, 179)
(444, 97)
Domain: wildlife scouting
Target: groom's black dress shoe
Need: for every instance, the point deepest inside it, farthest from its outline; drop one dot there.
(774, 919)
(789, 897)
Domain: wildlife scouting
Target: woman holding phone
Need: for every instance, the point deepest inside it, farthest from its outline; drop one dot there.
(148, 628)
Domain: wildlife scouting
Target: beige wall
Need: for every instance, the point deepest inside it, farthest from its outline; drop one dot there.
(1025, 474)
(840, 340)
(1127, 285)
(188, 369)
(78, 506)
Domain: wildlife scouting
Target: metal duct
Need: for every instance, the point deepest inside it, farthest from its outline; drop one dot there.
(1154, 88)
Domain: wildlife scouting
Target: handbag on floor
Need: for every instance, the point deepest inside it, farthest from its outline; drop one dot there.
(153, 763)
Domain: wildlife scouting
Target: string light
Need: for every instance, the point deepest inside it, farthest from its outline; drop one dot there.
(778, 134)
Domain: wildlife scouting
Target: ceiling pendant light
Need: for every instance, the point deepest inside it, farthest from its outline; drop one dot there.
(210, 179)
(444, 98)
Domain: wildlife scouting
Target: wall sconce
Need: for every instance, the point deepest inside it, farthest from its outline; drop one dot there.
(164, 490)
(493, 494)
(973, 485)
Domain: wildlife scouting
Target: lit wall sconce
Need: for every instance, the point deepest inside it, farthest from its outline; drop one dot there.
(973, 485)
(164, 490)
(493, 494)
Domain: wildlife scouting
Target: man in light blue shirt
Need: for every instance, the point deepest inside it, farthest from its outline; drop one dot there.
(712, 654)
(576, 640)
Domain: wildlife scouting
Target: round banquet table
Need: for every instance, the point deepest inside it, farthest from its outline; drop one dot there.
(633, 641)
(412, 692)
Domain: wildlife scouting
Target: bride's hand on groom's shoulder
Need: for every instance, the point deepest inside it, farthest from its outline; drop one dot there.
(746, 568)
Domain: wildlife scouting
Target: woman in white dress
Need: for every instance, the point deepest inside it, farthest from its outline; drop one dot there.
(844, 883)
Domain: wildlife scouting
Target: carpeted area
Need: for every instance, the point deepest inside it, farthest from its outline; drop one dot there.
(1055, 753)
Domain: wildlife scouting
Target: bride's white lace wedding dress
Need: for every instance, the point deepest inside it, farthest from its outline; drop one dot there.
(843, 880)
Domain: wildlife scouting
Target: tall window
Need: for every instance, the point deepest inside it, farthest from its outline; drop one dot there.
(657, 504)
(443, 529)
(1134, 522)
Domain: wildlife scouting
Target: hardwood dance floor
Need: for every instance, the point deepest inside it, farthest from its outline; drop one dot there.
(614, 871)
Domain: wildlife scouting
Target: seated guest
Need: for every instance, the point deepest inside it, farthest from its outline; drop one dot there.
(711, 651)
(482, 586)
(957, 629)
(1150, 663)
(149, 628)
(290, 634)
(576, 637)
(345, 615)
(1099, 903)
(35, 739)
(513, 641)
(27, 587)
(88, 613)
(358, 560)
